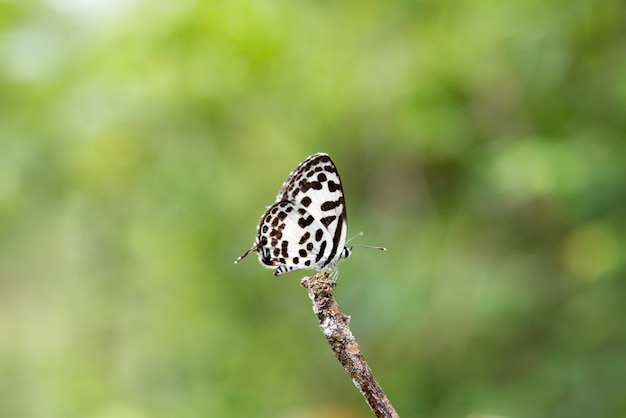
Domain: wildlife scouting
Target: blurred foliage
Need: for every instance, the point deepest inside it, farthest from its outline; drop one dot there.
(482, 142)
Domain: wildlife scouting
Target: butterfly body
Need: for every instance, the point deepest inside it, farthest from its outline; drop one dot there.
(306, 226)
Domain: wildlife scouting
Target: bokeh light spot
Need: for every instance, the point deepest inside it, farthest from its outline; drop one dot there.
(590, 251)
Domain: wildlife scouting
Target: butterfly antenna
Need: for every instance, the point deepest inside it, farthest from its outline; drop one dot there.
(241, 257)
(369, 246)
(360, 234)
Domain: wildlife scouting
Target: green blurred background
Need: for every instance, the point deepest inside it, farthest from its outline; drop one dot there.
(482, 142)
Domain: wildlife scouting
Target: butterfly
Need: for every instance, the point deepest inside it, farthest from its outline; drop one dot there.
(306, 226)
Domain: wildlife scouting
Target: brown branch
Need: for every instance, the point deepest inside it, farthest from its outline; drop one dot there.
(335, 326)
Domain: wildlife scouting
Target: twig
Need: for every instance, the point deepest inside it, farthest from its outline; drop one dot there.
(335, 326)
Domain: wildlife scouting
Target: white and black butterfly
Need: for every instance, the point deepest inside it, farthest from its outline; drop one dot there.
(306, 227)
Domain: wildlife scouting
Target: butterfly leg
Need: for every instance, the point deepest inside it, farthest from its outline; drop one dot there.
(334, 273)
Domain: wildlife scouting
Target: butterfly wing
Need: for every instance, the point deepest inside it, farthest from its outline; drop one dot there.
(290, 238)
(315, 184)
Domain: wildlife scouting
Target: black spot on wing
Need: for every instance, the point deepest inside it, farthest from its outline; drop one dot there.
(331, 204)
(304, 222)
(333, 187)
(305, 237)
(306, 185)
(306, 201)
(327, 220)
(320, 254)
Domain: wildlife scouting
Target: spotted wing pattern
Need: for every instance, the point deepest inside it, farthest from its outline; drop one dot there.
(306, 227)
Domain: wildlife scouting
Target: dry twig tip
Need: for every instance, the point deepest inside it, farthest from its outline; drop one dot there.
(335, 326)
